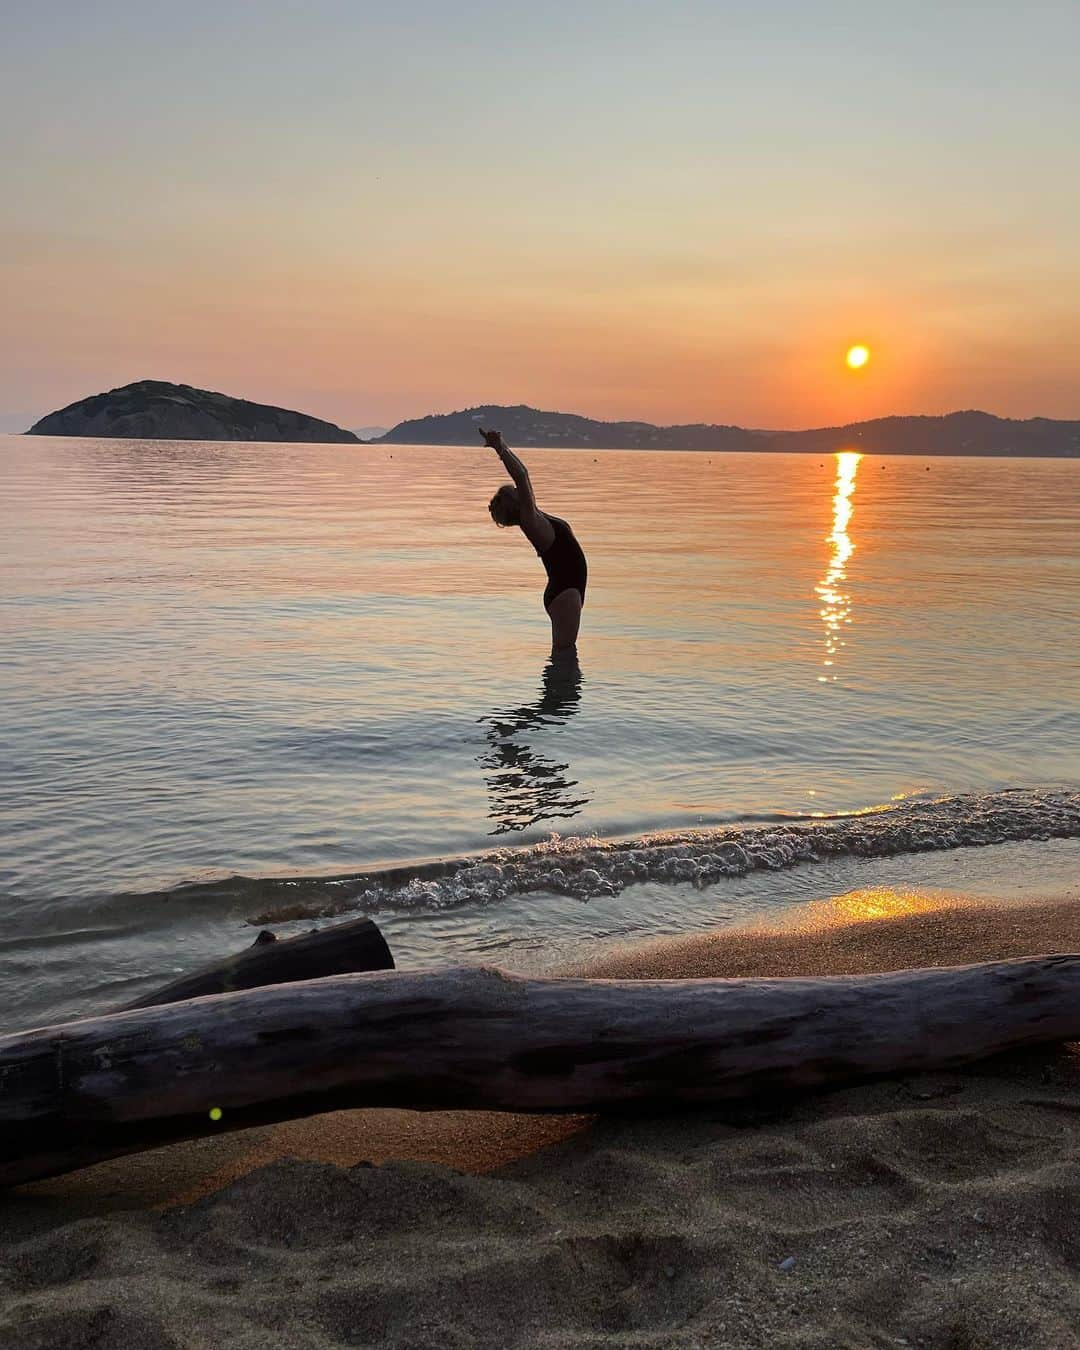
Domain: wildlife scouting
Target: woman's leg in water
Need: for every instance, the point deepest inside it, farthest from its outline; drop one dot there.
(565, 615)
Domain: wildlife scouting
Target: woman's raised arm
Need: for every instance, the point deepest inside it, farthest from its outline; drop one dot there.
(515, 468)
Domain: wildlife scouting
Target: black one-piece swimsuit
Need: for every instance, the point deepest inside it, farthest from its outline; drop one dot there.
(564, 562)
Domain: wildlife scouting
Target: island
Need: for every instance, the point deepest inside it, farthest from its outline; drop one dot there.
(157, 410)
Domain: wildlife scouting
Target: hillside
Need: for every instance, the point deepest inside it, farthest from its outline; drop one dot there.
(528, 426)
(959, 433)
(157, 410)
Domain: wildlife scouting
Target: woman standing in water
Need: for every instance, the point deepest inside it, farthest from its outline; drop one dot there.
(553, 540)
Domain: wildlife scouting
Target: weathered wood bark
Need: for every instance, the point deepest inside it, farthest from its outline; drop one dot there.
(342, 949)
(473, 1038)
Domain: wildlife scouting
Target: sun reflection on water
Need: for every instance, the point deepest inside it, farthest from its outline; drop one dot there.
(835, 600)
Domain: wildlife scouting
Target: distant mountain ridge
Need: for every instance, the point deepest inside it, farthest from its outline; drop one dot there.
(158, 410)
(524, 426)
(958, 433)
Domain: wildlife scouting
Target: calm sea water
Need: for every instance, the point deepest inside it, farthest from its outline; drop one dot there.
(294, 661)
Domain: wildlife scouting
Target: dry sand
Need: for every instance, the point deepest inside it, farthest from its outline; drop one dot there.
(939, 1211)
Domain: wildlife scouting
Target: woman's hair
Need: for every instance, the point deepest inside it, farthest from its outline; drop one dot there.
(504, 506)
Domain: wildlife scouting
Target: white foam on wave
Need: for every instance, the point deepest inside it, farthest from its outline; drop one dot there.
(587, 867)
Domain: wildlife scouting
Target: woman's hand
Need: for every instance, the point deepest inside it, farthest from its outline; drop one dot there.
(493, 439)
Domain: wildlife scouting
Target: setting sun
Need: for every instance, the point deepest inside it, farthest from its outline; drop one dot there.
(857, 357)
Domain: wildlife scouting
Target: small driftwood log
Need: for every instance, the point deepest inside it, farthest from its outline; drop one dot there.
(343, 949)
(473, 1038)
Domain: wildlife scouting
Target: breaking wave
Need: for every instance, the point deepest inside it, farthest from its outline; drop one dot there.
(587, 867)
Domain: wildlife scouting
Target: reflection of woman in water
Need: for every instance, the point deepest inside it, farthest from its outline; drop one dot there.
(525, 786)
(552, 538)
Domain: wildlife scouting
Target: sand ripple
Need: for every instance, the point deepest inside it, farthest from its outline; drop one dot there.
(938, 1211)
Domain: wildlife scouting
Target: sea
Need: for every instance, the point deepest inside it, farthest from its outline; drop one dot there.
(266, 685)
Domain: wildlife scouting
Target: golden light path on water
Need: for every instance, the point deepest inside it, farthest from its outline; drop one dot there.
(835, 600)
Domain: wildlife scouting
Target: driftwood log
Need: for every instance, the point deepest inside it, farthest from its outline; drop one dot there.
(342, 949)
(478, 1038)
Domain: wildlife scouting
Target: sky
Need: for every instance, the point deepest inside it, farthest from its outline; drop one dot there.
(676, 211)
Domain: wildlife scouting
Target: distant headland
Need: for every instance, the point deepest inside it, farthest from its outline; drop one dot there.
(958, 433)
(157, 410)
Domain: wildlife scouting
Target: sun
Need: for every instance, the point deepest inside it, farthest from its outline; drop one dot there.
(857, 356)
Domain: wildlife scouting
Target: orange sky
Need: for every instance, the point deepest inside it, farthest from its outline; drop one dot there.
(674, 217)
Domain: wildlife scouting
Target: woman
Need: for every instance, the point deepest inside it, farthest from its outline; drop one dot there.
(552, 538)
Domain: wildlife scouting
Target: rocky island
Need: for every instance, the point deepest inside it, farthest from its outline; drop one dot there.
(157, 410)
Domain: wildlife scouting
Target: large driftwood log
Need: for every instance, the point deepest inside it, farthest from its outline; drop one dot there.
(473, 1038)
(342, 949)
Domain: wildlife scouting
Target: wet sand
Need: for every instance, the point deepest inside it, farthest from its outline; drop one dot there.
(935, 1210)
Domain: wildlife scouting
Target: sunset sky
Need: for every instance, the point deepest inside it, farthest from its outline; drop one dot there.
(673, 211)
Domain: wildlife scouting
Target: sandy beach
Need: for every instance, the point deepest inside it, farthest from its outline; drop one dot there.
(938, 1210)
